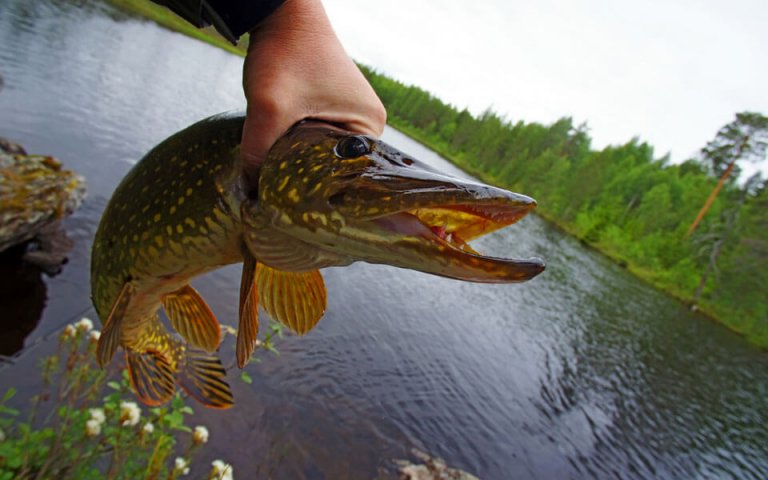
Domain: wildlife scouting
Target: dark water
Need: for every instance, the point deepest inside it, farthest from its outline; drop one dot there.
(582, 373)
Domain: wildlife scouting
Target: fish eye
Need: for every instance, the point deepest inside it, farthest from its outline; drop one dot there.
(352, 147)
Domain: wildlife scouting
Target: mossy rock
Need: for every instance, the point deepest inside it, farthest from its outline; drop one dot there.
(432, 468)
(35, 194)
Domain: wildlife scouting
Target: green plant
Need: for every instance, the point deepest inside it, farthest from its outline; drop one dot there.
(84, 424)
(274, 329)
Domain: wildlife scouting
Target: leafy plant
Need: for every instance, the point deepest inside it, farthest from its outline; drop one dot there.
(85, 424)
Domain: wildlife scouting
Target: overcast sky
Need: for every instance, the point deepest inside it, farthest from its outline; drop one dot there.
(669, 72)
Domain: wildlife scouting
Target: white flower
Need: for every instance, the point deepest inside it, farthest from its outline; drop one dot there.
(129, 414)
(2, 435)
(221, 471)
(92, 428)
(228, 329)
(97, 415)
(84, 325)
(200, 435)
(69, 332)
(148, 428)
(94, 336)
(181, 466)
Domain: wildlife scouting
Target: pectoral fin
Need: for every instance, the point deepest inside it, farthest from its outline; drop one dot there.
(192, 319)
(113, 329)
(248, 327)
(202, 376)
(297, 300)
(151, 376)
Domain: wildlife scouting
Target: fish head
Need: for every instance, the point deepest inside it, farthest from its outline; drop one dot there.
(329, 197)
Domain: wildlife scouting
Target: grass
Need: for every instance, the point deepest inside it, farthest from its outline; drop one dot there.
(167, 19)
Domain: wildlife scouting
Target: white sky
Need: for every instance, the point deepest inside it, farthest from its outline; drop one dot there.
(669, 72)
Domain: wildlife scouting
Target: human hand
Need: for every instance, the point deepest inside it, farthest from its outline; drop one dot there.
(295, 69)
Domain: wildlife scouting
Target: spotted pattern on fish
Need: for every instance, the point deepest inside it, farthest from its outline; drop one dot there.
(324, 197)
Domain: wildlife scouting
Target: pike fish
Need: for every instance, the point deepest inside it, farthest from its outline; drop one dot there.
(324, 197)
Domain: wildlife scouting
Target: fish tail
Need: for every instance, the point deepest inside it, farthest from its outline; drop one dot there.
(151, 375)
(159, 361)
(202, 376)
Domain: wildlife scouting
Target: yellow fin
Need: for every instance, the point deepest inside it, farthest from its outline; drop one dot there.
(248, 327)
(202, 376)
(112, 330)
(297, 300)
(151, 376)
(191, 317)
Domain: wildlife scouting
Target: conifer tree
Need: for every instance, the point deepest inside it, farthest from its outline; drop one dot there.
(745, 138)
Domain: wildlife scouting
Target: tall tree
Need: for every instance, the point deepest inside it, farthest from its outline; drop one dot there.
(731, 216)
(745, 138)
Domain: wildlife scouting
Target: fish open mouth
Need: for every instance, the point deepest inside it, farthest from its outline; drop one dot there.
(458, 224)
(450, 228)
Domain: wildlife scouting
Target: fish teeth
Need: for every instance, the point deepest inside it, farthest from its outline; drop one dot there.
(440, 231)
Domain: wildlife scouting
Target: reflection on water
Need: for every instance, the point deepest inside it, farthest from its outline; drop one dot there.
(583, 372)
(22, 297)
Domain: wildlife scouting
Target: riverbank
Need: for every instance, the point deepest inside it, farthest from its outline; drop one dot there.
(642, 273)
(165, 18)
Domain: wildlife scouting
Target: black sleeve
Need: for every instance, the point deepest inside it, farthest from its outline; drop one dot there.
(231, 18)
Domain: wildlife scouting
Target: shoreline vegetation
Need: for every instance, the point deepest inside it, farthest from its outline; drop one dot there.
(84, 423)
(167, 19)
(621, 201)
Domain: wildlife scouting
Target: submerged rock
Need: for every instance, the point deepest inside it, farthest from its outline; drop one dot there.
(433, 468)
(35, 194)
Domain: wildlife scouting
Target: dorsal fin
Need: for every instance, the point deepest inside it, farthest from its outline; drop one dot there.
(191, 317)
(151, 376)
(202, 376)
(113, 326)
(295, 299)
(248, 327)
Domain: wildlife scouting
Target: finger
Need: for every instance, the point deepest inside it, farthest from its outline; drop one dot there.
(263, 126)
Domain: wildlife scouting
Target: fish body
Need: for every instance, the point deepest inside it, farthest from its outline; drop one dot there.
(174, 216)
(324, 197)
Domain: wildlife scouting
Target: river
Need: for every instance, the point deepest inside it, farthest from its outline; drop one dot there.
(584, 372)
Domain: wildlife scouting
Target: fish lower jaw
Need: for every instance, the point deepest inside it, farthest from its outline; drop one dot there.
(438, 246)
